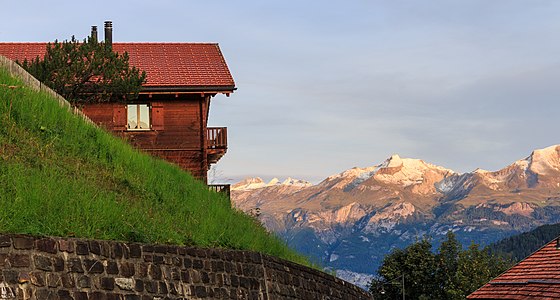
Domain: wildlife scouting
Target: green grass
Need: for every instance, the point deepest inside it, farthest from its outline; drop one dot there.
(60, 176)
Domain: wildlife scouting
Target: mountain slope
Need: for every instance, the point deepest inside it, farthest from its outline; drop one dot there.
(62, 176)
(522, 245)
(359, 215)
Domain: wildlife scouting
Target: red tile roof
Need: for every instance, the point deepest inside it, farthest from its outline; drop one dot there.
(168, 66)
(535, 277)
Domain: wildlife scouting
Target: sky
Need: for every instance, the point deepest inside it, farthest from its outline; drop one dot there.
(324, 86)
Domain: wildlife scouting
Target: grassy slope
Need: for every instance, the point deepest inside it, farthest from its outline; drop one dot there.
(61, 176)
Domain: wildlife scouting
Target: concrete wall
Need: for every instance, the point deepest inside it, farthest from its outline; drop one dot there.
(67, 268)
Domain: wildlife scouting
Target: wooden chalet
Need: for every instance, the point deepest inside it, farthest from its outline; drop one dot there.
(535, 277)
(169, 119)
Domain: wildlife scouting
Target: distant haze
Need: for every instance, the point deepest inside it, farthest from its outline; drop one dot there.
(328, 85)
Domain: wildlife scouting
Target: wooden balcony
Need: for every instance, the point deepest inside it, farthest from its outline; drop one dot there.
(216, 139)
(220, 188)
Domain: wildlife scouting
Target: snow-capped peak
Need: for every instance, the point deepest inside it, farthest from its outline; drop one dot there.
(543, 161)
(394, 161)
(406, 171)
(250, 183)
(257, 183)
(296, 182)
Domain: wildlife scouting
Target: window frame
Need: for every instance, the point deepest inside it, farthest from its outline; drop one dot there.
(138, 115)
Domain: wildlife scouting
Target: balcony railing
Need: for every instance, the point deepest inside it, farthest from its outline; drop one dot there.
(217, 137)
(220, 188)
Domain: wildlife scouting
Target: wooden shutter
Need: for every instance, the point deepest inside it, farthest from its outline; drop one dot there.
(119, 117)
(157, 116)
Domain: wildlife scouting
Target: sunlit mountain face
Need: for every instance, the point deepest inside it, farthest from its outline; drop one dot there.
(351, 220)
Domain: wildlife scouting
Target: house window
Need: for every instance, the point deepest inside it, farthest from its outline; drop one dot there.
(138, 117)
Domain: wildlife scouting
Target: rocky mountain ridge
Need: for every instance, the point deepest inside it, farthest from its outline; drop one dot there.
(350, 220)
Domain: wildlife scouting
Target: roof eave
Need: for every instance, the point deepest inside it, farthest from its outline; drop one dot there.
(188, 89)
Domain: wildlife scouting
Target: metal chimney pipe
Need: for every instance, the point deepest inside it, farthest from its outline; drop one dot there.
(94, 33)
(109, 33)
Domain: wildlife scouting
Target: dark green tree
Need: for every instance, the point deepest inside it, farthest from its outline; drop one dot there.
(86, 71)
(451, 273)
(447, 264)
(417, 264)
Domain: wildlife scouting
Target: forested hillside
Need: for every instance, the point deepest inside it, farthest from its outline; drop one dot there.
(522, 245)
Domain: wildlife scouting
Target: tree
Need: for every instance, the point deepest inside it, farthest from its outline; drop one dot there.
(447, 264)
(451, 273)
(87, 71)
(417, 264)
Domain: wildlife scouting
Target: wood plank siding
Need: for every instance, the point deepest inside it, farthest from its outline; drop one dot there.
(178, 134)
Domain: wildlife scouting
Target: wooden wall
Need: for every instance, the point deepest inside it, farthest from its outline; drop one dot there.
(178, 132)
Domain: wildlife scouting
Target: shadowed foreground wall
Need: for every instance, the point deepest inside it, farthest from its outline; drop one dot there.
(67, 268)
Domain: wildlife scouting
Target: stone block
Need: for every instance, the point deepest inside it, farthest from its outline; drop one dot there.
(37, 278)
(68, 280)
(46, 245)
(10, 276)
(66, 246)
(135, 250)
(53, 280)
(197, 264)
(200, 291)
(142, 270)
(112, 296)
(45, 294)
(158, 259)
(80, 296)
(132, 297)
(148, 248)
(154, 272)
(176, 261)
(23, 242)
(4, 260)
(204, 277)
(84, 281)
(75, 265)
(42, 262)
(160, 249)
(187, 263)
(64, 295)
(171, 249)
(112, 268)
(58, 264)
(93, 266)
(162, 288)
(127, 269)
(125, 283)
(95, 247)
(82, 248)
(139, 285)
(116, 250)
(185, 276)
(19, 260)
(105, 249)
(97, 296)
(107, 283)
(5, 241)
(151, 286)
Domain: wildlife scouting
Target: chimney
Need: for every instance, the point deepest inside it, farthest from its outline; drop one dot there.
(109, 33)
(94, 34)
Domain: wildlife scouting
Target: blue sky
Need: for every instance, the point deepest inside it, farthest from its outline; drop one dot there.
(324, 86)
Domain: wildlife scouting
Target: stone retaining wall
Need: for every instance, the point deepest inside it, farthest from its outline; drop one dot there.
(67, 268)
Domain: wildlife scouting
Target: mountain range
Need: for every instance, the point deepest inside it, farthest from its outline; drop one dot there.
(349, 221)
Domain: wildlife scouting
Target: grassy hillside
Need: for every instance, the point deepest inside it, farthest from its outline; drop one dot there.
(61, 176)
